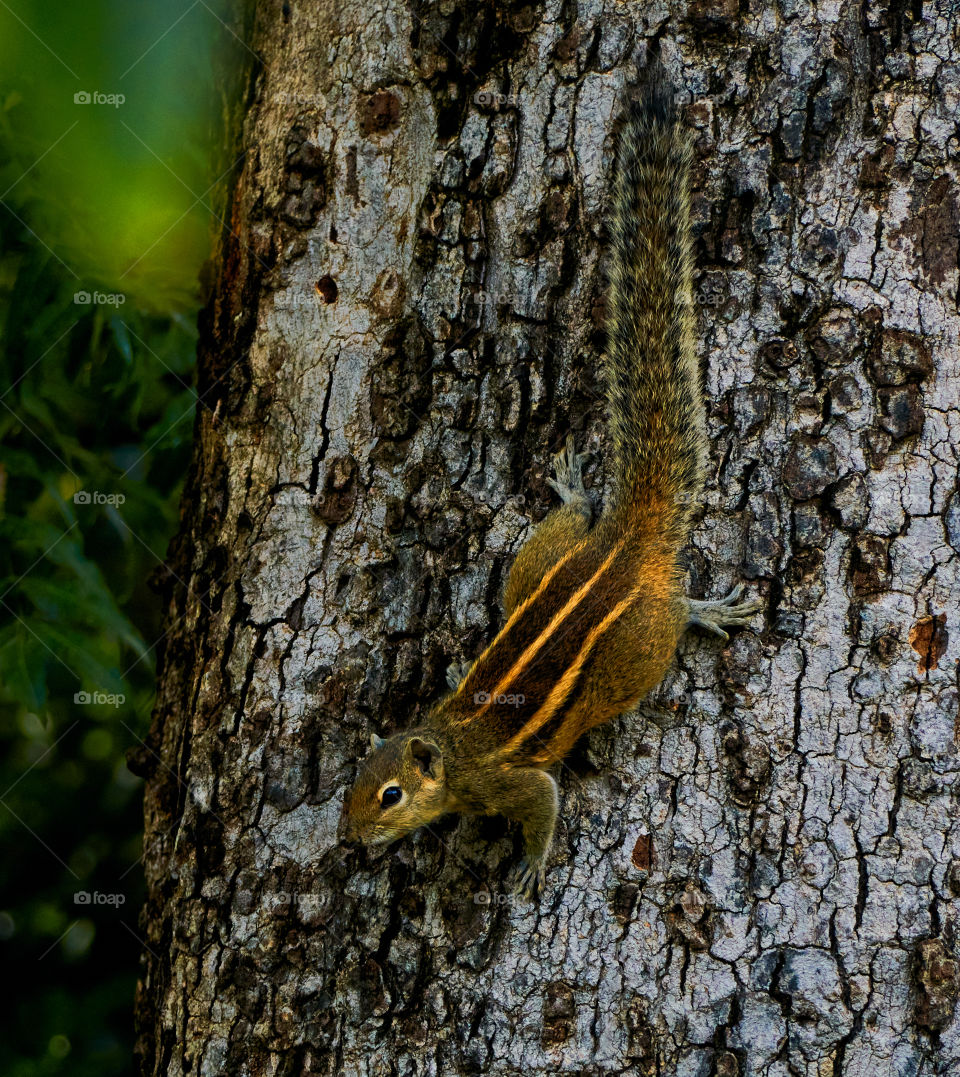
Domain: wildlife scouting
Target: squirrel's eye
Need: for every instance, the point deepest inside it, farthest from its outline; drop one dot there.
(390, 796)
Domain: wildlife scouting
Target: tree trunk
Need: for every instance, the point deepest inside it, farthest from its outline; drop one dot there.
(758, 871)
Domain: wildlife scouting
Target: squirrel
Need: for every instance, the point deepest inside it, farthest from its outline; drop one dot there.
(594, 610)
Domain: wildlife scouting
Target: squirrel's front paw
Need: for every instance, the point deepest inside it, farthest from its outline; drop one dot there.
(717, 614)
(530, 877)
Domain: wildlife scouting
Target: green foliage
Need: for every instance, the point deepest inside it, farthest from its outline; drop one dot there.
(95, 429)
(102, 234)
(99, 403)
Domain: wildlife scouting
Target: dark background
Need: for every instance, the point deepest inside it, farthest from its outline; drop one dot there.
(107, 209)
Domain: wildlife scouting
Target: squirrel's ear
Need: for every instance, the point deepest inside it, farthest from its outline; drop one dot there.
(426, 757)
(376, 742)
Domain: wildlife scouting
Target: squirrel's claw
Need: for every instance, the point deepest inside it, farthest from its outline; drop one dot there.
(530, 878)
(715, 615)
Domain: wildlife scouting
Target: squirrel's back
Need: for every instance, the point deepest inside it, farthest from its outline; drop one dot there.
(656, 416)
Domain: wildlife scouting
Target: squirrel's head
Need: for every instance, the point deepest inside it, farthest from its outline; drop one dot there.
(399, 787)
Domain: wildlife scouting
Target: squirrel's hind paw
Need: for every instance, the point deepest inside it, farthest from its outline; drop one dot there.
(457, 673)
(568, 469)
(530, 878)
(717, 614)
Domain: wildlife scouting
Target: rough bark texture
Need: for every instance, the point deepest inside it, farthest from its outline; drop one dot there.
(758, 872)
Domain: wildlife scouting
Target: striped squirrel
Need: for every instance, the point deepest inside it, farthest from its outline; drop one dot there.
(594, 611)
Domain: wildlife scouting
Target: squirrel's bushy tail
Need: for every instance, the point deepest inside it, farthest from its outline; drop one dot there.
(654, 394)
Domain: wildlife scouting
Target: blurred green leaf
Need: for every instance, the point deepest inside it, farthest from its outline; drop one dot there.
(23, 666)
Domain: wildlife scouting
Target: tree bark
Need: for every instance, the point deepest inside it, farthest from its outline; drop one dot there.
(758, 871)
